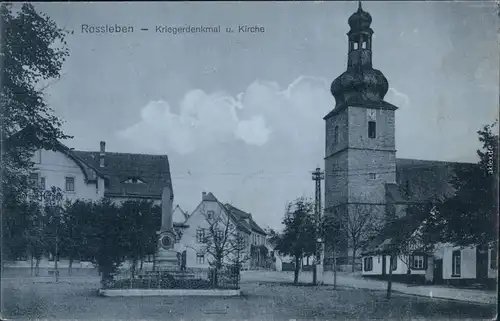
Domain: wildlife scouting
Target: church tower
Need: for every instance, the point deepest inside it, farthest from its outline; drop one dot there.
(360, 155)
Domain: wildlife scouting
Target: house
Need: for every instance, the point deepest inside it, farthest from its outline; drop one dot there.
(179, 216)
(93, 175)
(192, 245)
(259, 257)
(444, 264)
(467, 265)
(413, 264)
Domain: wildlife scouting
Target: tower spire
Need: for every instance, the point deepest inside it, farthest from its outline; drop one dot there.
(359, 6)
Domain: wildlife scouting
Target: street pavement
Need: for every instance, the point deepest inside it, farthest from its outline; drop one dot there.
(76, 298)
(356, 281)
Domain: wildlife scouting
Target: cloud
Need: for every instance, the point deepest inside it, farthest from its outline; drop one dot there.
(262, 112)
(397, 98)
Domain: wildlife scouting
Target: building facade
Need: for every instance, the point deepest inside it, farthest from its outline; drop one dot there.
(361, 167)
(193, 242)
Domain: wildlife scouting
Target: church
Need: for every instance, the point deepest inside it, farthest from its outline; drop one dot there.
(361, 167)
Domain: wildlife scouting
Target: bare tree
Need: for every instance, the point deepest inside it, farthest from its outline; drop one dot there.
(223, 242)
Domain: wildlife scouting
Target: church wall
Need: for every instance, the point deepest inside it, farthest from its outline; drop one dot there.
(336, 179)
(341, 121)
(358, 129)
(362, 164)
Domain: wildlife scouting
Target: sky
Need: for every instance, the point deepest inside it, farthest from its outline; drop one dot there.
(241, 115)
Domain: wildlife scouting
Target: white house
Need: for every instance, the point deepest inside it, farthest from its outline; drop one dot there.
(445, 264)
(468, 265)
(192, 240)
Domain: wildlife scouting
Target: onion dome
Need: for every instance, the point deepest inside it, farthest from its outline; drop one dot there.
(360, 19)
(356, 85)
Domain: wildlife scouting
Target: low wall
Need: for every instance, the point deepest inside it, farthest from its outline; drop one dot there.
(12, 272)
(165, 292)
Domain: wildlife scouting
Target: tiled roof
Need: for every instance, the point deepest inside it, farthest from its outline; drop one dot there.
(423, 180)
(242, 216)
(400, 228)
(154, 170)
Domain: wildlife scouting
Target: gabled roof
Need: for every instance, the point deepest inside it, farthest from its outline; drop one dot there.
(185, 214)
(153, 170)
(396, 231)
(242, 216)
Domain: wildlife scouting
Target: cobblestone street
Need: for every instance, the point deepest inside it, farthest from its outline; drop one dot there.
(76, 298)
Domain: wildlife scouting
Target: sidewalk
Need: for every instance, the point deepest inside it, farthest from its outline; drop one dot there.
(353, 281)
(430, 291)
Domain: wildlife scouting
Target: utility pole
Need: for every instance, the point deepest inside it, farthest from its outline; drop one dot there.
(318, 176)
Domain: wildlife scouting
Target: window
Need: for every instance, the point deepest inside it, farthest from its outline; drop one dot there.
(368, 264)
(355, 45)
(372, 176)
(336, 135)
(200, 235)
(493, 262)
(219, 234)
(38, 157)
(417, 262)
(70, 184)
(200, 258)
(456, 263)
(42, 183)
(33, 179)
(210, 214)
(372, 129)
(394, 263)
(134, 180)
(363, 45)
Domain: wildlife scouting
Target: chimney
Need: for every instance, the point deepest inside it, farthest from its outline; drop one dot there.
(203, 195)
(102, 153)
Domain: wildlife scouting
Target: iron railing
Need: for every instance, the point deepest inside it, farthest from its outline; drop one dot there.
(227, 277)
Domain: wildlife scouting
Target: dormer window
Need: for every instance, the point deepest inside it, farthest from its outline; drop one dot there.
(134, 180)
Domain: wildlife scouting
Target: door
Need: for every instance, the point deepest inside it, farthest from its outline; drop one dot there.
(482, 263)
(438, 271)
(383, 265)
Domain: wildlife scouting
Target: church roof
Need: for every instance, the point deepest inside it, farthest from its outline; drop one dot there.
(422, 180)
(153, 170)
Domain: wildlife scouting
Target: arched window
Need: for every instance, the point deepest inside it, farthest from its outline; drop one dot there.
(356, 45)
(363, 45)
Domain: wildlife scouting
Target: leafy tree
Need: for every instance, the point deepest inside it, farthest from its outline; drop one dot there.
(32, 52)
(73, 234)
(54, 220)
(107, 245)
(298, 238)
(469, 218)
(141, 221)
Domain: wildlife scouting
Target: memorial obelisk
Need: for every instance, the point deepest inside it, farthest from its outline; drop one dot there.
(166, 259)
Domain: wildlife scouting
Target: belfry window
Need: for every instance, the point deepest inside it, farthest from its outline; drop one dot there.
(372, 129)
(356, 45)
(363, 45)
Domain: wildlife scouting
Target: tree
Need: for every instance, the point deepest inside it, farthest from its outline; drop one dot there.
(73, 237)
(332, 239)
(107, 245)
(32, 51)
(469, 218)
(359, 225)
(298, 238)
(223, 242)
(141, 222)
(54, 220)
